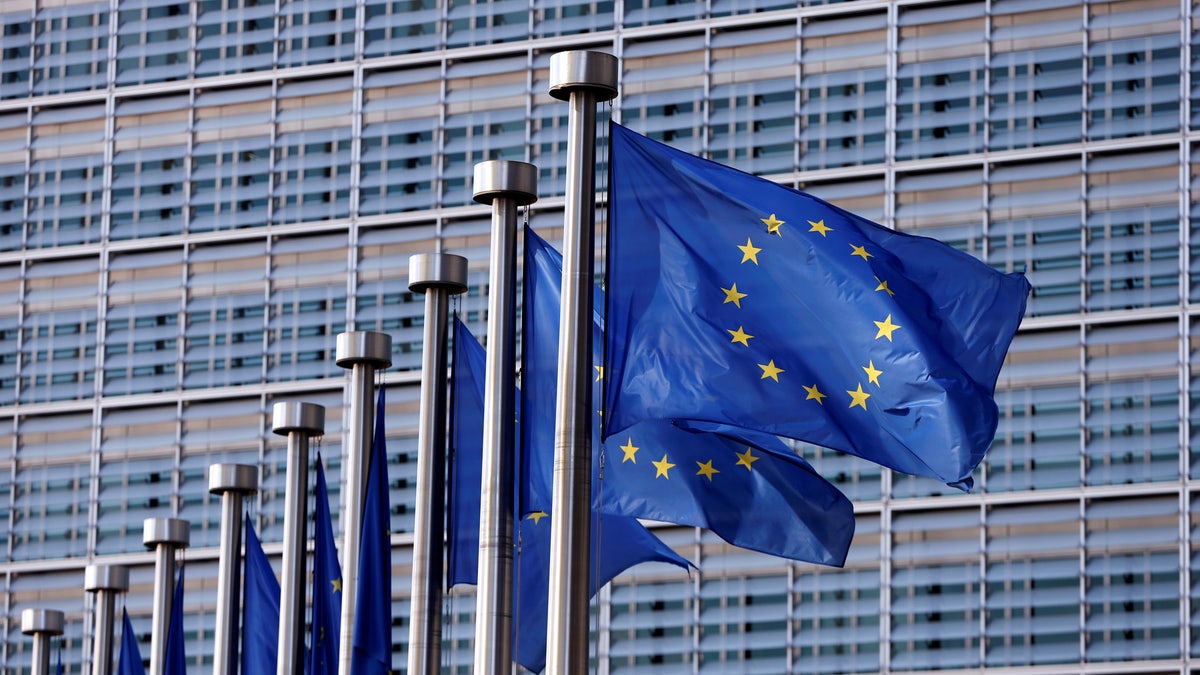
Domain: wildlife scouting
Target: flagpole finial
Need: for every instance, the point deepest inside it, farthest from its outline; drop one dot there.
(44, 621)
(106, 578)
(592, 71)
(365, 347)
(444, 271)
(498, 178)
(232, 478)
(296, 416)
(172, 531)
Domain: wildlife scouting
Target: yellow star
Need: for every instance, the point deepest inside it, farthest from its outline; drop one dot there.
(740, 335)
(814, 394)
(661, 467)
(872, 373)
(886, 328)
(732, 295)
(337, 585)
(819, 227)
(860, 251)
(884, 287)
(769, 370)
(772, 224)
(630, 451)
(536, 517)
(706, 470)
(599, 372)
(858, 397)
(746, 459)
(749, 252)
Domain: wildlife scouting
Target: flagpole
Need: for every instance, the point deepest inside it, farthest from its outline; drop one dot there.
(505, 185)
(298, 421)
(165, 536)
(106, 581)
(42, 624)
(438, 276)
(361, 352)
(582, 79)
(234, 482)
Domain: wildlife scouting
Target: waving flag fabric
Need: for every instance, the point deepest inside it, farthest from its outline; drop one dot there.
(327, 586)
(373, 609)
(737, 301)
(129, 661)
(176, 659)
(260, 609)
(747, 487)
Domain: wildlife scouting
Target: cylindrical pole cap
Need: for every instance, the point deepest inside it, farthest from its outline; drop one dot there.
(106, 578)
(49, 621)
(289, 416)
(364, 346)
(232, 478)
(589, 71)
(172, 531)
(505, 178)
(437, 270)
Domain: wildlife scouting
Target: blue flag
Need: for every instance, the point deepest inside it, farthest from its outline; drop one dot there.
(618, 543)
(736, 301)
(373, 609)
(59, 668)
(176, 658)
(466, 457)
(260, 610)
(327, 586)
(746, 487)
(129, 661)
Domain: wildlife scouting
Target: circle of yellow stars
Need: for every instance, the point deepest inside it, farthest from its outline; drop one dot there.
(663, 467)
(884, 330)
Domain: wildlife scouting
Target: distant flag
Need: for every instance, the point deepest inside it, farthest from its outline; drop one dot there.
(59, 668)
(327, 586)
(260, 610)
(733, 300)
(373, 607)
(625, 542)
(176, 657)
(747, 487)
(129, 661)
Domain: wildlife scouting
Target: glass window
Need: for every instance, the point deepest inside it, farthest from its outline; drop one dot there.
(401, 26)
(663, 90)
(315, 31)
(70, 46)
(16, 41)
(843, 90)
(476, 22)
(234, 36)
(571, 17)
(940, 80)
(307, 306)
(1134, 73)
(1033, 586)
(400, 140)
(231, 158)
(312, 151)
(153, 41)
(1133, 230)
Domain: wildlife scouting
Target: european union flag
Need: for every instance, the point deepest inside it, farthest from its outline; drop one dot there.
(618, 543)
(734, 300)
(746, 487)
(260, 609)
(373, 609)
(327, 586)
(59, 668)
(129, 661)
(466, 457)
(176, 658)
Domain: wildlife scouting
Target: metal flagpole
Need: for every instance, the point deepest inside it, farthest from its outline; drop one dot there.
(42, 624)
(106, 581)
(362, 352)
(437, 276)
(505, 185)
(234, 482)
(582, 79)
(297, 421)
(165, 536)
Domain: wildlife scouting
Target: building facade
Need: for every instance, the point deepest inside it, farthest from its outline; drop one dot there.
(196, 197)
